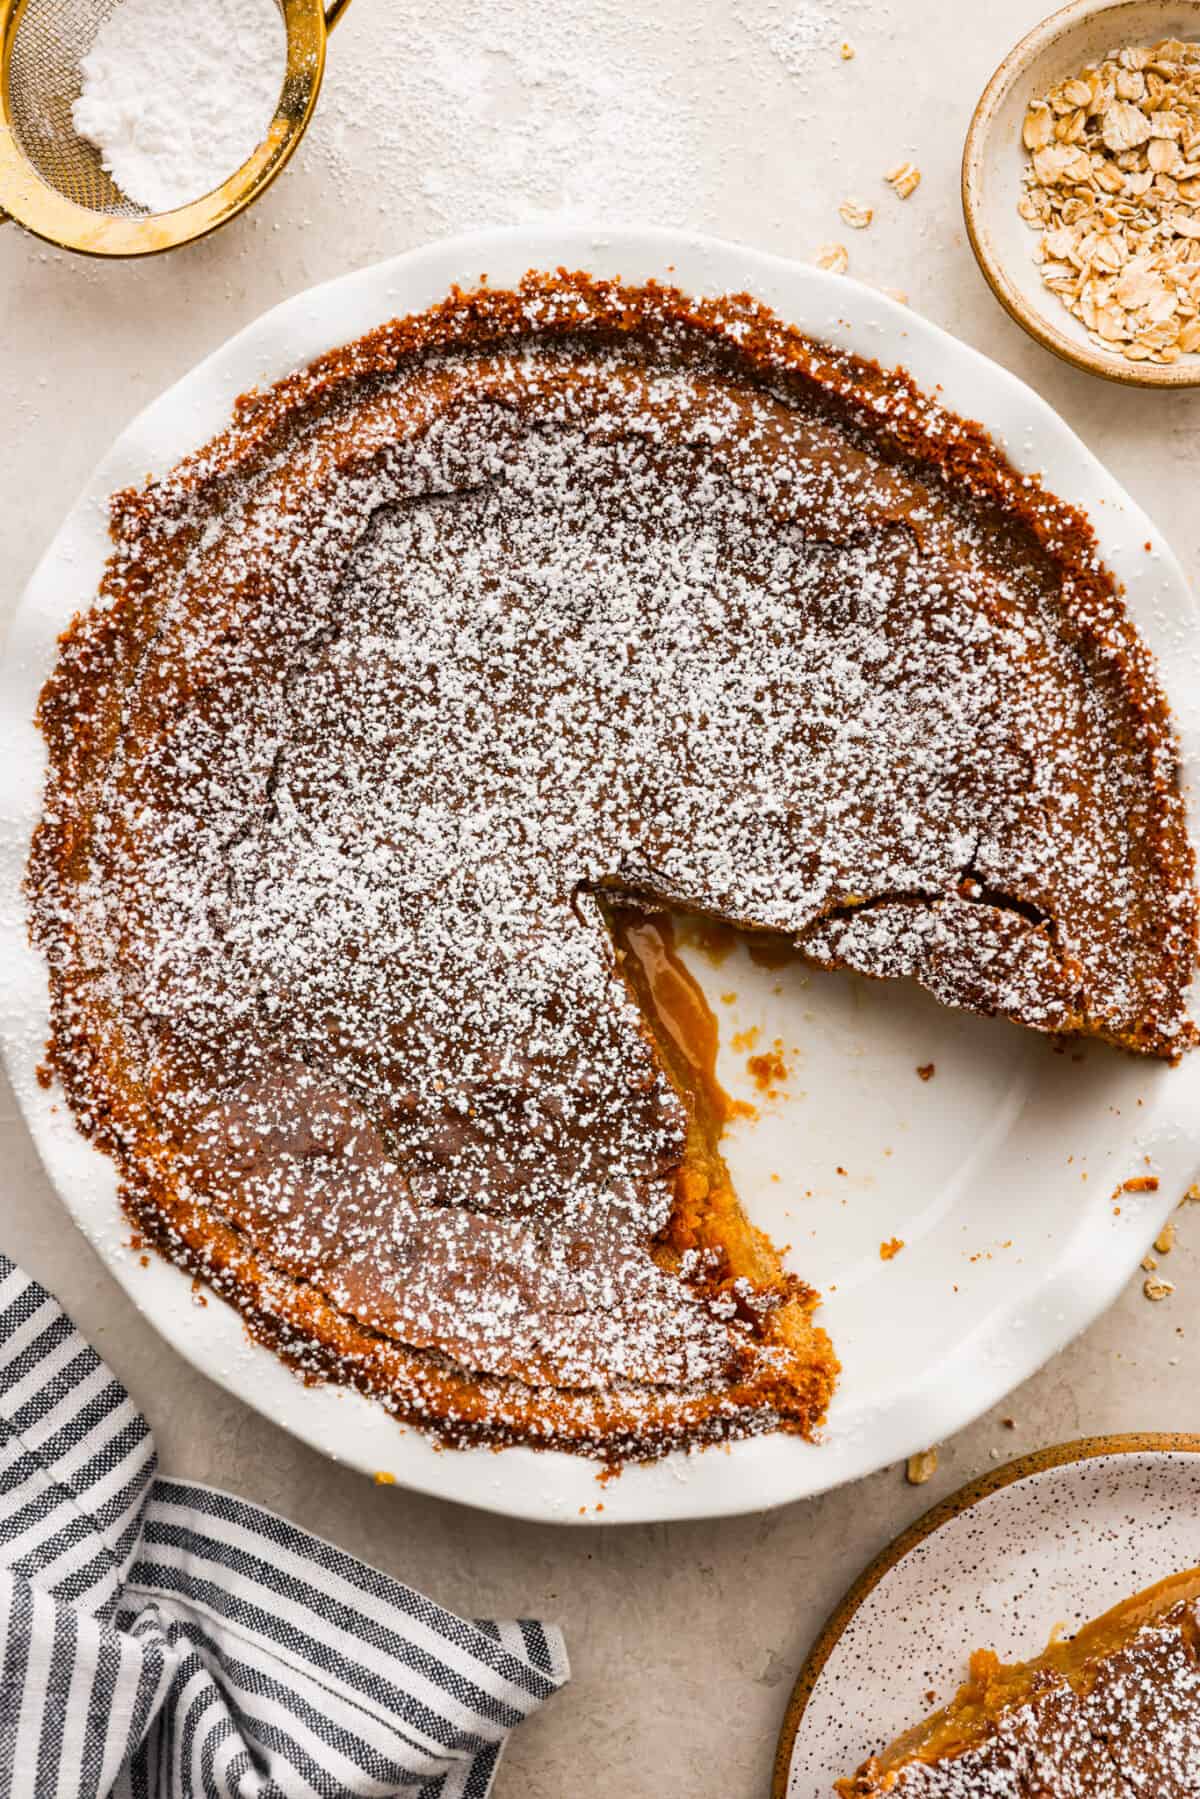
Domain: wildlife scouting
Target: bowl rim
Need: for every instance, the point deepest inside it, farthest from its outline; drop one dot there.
(1170, 376)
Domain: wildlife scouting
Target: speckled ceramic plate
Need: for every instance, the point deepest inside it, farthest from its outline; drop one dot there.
(998, 1173)
(1052, 1539)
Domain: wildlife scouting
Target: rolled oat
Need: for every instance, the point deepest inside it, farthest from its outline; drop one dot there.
(1112, 185)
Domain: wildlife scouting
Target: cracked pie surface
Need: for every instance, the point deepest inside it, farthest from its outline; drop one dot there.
(512, 615)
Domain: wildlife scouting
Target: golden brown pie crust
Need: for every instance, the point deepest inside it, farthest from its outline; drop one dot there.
(534, 604)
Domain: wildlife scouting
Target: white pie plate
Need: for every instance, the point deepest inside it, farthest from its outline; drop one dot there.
(1050, 1540)
(998, 1173)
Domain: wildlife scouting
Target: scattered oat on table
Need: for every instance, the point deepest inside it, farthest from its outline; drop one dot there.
(1164, 1243)
(921, 1467)
(1157, 1288)
(905, 179)
(1113, 185)
(856, 216)
(834, 257)
(847, 52)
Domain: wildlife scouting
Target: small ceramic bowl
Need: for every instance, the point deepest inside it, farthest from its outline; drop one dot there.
(994, 158)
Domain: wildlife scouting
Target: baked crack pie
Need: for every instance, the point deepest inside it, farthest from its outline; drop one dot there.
(1111, 1713)
(479, 630)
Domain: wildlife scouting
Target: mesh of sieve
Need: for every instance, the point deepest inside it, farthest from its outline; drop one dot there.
(51, 38)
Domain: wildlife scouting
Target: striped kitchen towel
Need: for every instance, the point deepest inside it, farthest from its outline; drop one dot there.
(161, 1640)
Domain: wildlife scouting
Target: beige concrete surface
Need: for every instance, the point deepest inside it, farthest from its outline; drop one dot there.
(737, 117)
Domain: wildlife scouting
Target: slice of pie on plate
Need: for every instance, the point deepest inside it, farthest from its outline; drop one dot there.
(1111, 1712)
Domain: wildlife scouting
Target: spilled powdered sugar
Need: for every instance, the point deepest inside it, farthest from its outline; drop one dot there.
(605, 113)
(579, 120)
(806, 35)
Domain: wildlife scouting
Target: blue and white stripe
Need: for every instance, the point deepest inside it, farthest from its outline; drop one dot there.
(162, 1640)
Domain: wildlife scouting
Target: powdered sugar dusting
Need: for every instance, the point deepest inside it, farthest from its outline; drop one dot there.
(579, 120)
(1130, 1725)
(807, 35)
(444, 647)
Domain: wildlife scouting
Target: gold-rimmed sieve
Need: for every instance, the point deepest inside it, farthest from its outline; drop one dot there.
(51, 179)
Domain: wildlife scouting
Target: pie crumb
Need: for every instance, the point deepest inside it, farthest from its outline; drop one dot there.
(1157, 1288)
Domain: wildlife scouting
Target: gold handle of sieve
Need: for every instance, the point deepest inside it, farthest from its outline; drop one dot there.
(333, 12)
